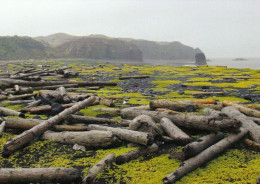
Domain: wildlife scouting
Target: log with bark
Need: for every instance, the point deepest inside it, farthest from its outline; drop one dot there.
(39, 175)
(21, 124)
(78, 127)
(12, 82)
(27, 136)
(247, 123)
(134, 77)
(243, 109)
(10, 112)
(173, 131)
(93, 138)
(134, 154)
(128, 135)
(90, 120)
(181, 106)
(189, 121)
(96, 169)
(203, 157)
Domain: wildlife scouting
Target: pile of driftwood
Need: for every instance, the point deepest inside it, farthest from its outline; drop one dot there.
(145, 126)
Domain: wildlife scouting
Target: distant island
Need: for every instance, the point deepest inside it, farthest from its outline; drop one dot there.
(239, 59)
(61, 45)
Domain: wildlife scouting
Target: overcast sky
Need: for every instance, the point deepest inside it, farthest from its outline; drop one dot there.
(220, 28)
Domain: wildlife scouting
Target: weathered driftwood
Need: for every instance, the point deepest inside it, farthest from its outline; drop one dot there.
(173, 131)
(16, 102)
(134, 154)
(12, 82)
(134, 77)
(96, 169)
(93, 138)
(201, 144)
(10, 112)
(43, 108)
(181, 106)
(203, 157)
(34, 104)
(254, 129)
(22, 139)
(89, 120)
(70, 128)
(256, 120)
(63, 93)
(21, 96)
(190, 121)
(252, 145)
(241, 108)
(21, 124)
(167, 111)
(209, 93)
(39, 175)
(54, 86)
(211, 112)
(141, 107)
(108, 110)
(27, 75)
(144, 123)
(2, 127)
(129, 135)
(205, 101)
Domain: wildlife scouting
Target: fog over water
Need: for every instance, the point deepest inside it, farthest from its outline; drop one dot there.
(220, 28)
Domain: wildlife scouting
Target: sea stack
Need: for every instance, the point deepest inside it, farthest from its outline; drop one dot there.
(200, 59)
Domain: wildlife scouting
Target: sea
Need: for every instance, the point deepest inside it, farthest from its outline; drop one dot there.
(252, 63)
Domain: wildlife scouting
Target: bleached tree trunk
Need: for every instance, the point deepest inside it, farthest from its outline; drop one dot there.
(201, 144)
(93, 138)
(96, 169)
(129, 135)
(190, 121)
(24, 138)
(254, 129)
(134, 154)
(203, 157)
(70, 128)
(211, 112)
(90, 120)
(21, 124)
(173, 131)
(243, 109)
(2, 127)
(39, 175)
(21, 96)
(10, 112)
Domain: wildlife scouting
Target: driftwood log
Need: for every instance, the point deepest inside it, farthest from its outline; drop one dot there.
(201, 144)
(134, 154)
(190, 121)
(243, 109)
(96, 169)
(10, 112)
(144, 123)
(21, 124)
(128, 135)
(254, 129)
(181, 106)
(24, 138)
(43, 108)
(203, 157)
(173, 131)
(39, 175)
(108, 110)
(93, 138)
(70, 128)
(12, 82)
(252, 145)
(90, 120)
(2, 127)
